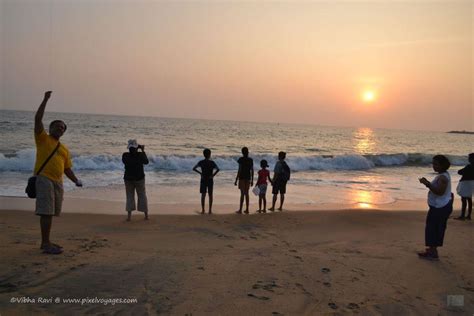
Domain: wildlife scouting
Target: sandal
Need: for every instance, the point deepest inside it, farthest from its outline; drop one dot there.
(51, 250)
(428, 255)
(51, 245)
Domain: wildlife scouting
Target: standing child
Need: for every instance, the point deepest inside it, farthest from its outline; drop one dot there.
(281, 175)
(466, 187)
(244, 178)
(263, 175)
(207, 178)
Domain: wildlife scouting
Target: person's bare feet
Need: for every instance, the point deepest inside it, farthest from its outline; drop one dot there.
(280, 209)
(271, 209)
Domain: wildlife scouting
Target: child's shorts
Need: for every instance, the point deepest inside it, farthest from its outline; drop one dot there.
(263, 189)
(465, 188)
(207, 186)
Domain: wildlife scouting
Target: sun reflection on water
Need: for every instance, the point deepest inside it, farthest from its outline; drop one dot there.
(363, 199)
(364, 140)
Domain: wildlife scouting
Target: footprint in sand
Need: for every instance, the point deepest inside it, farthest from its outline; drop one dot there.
(298, 257)
(327, 284)
(353, 306)
(325, 270)
(7, 287)
(292, 250)
(263, 298)
(269, 286)
(303, 289)
(332, 305)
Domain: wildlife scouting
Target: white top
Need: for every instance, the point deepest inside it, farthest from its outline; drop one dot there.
(440, 201)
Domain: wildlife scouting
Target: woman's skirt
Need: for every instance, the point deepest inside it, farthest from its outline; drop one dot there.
(465, 188)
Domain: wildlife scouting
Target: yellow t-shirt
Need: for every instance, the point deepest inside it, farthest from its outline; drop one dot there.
(61, 160)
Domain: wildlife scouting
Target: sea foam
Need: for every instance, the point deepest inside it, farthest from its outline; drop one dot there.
(23, 160)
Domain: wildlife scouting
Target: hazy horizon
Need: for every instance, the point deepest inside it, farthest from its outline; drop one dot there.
(377, 64)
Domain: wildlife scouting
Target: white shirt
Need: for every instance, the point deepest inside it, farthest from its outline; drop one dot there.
(440, 201)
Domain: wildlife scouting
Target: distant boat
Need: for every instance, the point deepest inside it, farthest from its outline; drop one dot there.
(461, 132)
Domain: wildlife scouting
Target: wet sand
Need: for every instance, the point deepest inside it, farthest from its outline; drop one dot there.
(289, 263)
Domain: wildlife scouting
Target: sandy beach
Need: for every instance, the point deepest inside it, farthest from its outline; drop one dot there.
(289, 263)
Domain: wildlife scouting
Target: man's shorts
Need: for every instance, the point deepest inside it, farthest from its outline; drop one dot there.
(279, 187)
(207, 185)
(49, 196)
(244, 185)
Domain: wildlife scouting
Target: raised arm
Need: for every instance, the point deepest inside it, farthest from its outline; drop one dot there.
(40, 113)
(144, 156)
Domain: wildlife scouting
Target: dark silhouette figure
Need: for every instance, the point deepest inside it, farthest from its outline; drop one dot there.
(134, 178)
(465, 188)
(281, 175)
(244, 178)
(207, 173)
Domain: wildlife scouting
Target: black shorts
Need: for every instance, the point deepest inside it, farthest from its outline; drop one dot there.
(206, 186)
(279, 187)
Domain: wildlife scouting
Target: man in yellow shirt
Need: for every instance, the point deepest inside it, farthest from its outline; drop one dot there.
(49, 183)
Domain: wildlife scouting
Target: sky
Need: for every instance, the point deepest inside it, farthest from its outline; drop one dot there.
(308, 62)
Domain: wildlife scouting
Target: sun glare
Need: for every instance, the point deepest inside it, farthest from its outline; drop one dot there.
(369, 96)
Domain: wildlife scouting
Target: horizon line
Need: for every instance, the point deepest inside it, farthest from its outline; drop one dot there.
(235, 121)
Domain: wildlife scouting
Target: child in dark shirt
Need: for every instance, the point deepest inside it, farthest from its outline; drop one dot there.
(465, 188)
(207, 173)
(263, 175)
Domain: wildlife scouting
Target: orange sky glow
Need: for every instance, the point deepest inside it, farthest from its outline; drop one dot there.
(299, 62)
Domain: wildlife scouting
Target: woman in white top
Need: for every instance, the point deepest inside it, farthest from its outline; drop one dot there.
(440, 201)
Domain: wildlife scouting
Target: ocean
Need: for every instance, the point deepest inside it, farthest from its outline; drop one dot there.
(363, 167)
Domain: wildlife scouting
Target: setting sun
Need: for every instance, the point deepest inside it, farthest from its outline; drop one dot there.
(369, 96)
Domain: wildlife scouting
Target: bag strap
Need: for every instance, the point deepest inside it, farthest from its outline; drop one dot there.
(44, 164)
